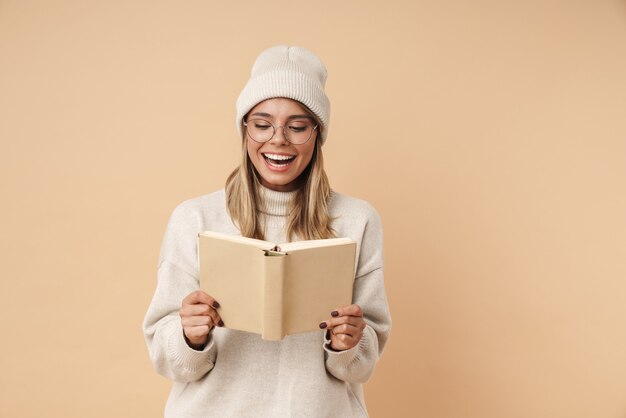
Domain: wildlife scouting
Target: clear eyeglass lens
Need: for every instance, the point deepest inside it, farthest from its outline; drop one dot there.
(296, 131)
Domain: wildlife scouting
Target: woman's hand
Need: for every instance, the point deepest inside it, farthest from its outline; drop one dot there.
(346, 327)
(198, 315)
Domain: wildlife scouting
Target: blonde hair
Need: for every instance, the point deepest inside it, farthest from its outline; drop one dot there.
(308, 216)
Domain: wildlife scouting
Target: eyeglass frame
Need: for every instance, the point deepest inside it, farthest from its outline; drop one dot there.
(275, 128)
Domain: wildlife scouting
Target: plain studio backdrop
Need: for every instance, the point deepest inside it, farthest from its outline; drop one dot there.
(490, 136)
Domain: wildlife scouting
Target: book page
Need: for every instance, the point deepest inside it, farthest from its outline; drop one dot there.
(298, 245)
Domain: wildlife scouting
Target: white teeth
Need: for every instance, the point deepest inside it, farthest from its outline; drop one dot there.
(279, 157)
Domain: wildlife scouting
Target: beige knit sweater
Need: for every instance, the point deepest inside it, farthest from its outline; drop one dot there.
(240, 375)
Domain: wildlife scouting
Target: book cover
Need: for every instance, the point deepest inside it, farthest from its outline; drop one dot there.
(276, 289)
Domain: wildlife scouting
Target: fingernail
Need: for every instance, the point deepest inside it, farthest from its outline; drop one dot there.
(328, 334)
(323, 325)
(220, 323)
(216, 304)
(334, 314)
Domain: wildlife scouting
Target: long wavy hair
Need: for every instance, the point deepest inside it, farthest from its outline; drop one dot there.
(308, 216)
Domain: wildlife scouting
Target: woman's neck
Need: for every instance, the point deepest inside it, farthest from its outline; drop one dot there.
(275, 203)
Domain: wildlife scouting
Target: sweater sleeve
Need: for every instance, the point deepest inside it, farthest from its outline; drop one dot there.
(169, 352)
(356, 365)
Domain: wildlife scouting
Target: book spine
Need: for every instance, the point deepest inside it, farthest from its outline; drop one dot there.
(273, 286)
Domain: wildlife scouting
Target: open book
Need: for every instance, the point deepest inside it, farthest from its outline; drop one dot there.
(276, 290)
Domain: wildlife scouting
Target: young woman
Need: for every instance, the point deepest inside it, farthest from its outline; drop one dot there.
(279, 193)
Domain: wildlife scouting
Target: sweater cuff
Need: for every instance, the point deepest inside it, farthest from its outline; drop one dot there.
(185, 356)
(346, 357)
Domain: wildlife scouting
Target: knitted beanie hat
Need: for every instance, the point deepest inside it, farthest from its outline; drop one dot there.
(291, 72)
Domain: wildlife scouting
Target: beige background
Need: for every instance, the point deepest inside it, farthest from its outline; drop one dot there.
(490, 135)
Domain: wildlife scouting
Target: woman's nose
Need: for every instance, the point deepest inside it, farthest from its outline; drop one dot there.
(279, 135)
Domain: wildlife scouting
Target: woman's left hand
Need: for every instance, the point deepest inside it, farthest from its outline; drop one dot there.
(346, 327)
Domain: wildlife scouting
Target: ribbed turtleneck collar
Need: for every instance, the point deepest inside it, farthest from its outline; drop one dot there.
(275, 203)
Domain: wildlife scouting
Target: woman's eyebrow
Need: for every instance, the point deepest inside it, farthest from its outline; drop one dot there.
(299, 117)
(265, 115)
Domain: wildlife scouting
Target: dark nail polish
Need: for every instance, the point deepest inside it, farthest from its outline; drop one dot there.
(220, 324)
(323, 325)
(216, 304)
(328, 334)
(334, 314)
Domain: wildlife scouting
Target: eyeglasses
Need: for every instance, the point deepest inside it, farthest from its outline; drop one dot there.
(297, 131)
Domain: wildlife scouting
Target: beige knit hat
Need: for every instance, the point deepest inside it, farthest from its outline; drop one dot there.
(291, 72)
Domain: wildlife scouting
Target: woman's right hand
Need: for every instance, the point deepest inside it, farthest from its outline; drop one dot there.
(198, 315)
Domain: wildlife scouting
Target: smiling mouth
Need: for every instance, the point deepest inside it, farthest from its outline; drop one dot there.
(278, 160)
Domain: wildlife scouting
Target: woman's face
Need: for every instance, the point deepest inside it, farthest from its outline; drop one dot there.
(279, 162)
